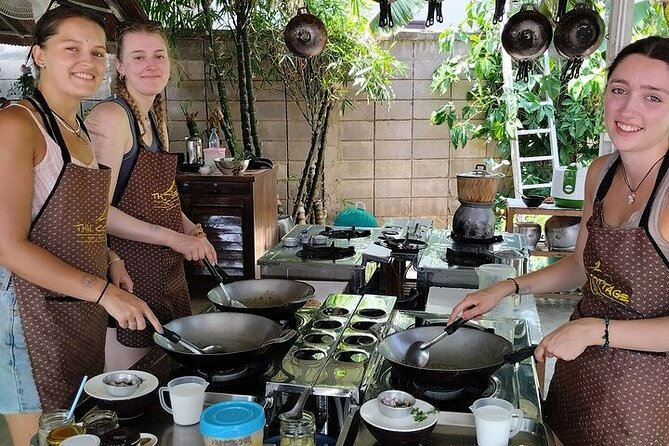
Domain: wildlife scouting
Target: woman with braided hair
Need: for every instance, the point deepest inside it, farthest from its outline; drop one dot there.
(146, 226)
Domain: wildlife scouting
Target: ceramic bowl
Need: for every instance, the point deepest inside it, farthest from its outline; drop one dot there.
(290, 242)
(532, 201)
(121, 383)
(126, 407)
(395, 403)
(403, 431)
(230, 166)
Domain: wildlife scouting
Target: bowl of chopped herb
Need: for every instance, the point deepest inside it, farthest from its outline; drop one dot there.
(401, 431)
(395, 403)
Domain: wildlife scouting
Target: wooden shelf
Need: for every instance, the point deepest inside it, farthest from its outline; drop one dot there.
(543, 251)
(515, 206)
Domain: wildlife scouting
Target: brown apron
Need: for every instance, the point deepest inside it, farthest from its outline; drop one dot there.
(66, 336)
(616, 397)
(157, 272)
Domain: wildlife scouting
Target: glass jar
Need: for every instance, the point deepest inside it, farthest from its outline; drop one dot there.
(61, 433)
(122, 436)
(100, 422)
(50, 420)
(298, 432)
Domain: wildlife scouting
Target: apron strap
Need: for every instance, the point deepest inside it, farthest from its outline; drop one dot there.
(39, 102)
(607, 180)
(660, 175)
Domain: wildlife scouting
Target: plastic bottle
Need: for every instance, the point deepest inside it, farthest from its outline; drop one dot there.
(214, 142)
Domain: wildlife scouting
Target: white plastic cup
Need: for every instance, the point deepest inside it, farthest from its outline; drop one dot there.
(187, 398)
(496, 421)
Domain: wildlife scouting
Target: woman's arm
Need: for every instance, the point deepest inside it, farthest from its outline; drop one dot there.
(111, 137)
(22, 148)
(568, 273)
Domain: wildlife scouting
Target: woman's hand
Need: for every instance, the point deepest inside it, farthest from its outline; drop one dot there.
(119, 276)
(475, 304)
(193, 247)
(570, 340)
(129, 310)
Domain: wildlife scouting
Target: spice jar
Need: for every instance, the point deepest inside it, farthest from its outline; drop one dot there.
(122, 436)
(48, 421)
(99, 422)
(298, 432)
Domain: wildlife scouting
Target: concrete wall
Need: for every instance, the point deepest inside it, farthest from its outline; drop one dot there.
(387, 156)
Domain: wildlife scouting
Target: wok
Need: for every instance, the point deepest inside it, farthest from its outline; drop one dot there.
(526, 36)
(276, 299)
(469, 354)
(578, 34)
(244, 337)
(305, 34)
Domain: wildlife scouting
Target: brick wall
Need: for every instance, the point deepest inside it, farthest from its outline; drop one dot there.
(387, 156)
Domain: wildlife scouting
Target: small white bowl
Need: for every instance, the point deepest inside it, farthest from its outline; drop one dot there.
(206, 170)
(121, 384)
(290, 242)
(395, 403)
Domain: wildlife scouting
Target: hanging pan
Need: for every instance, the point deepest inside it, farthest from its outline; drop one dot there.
(305, 34)
(578, 35)
(525, 37)
(385, 13)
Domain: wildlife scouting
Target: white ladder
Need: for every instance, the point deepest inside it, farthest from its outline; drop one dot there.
(517, 159)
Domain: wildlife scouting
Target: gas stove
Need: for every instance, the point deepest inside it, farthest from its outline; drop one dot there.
(345, 233)
(449, 263)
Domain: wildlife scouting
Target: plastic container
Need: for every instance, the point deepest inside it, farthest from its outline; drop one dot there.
(357, 216)
(82, 440)
(232, 423)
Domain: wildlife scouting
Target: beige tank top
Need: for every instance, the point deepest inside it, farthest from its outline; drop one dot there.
(655, 211)
(47, 171)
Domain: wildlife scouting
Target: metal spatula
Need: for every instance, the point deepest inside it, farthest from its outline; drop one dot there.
(418, 353)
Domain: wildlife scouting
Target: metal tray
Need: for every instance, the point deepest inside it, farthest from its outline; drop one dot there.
(453, 429)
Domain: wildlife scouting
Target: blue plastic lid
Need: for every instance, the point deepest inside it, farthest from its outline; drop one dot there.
(232, 419)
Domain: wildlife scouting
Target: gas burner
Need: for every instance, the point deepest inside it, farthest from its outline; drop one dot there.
(444, 398)
(395, 228)
(476, 241)
(401, 245)
(465, 258)
(331, 252)
(389, 233)
(241, 374)
(224, 376)
(345, 233)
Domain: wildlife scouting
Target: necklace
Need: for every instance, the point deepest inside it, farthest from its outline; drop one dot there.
(67, 125)
(632, 194)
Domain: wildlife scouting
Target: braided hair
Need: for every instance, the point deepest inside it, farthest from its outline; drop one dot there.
(158, 107)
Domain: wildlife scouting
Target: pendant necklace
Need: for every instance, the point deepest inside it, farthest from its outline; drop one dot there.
(68, 127)
(632, 195)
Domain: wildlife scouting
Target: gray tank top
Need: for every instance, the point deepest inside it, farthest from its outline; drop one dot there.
(129, 158)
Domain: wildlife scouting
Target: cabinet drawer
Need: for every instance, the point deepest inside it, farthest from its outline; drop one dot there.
(212, 187)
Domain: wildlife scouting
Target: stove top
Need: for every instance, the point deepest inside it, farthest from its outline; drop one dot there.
(331, 252)
(517, 383)
(345, 233)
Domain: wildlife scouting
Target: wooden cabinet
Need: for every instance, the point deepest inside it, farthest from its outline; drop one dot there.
(238, 214)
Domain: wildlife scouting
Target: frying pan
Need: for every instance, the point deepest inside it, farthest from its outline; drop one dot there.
(276, 299)
(526, 36)
(468, 354)
(305, 34)
(578, 34)
(243, 336)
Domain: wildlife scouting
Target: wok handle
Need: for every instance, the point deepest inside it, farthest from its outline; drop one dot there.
(217, 272)
(520, 354)
(285, 336)
(459, 322)
(175, 338)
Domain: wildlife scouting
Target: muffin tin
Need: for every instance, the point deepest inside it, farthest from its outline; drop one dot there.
(333, 349)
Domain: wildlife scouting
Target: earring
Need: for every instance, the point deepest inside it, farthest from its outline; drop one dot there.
(121, 77)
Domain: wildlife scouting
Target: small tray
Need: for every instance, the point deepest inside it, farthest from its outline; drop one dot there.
(453, 429)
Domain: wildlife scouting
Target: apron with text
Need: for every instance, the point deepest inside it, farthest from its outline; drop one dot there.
(66, 336)
(616, 397)
(157, 271)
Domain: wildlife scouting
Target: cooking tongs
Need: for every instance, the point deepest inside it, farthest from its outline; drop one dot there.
(217, 272)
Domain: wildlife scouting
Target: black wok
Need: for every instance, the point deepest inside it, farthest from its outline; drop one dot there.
(469, 354)
(578, 34)
(244, 338)
(526, 36)
(276, 299)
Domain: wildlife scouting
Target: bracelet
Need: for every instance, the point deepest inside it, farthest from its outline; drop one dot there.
(197, 231)
(117, 259)
(102, 293)
(605, 347)
(517, 290)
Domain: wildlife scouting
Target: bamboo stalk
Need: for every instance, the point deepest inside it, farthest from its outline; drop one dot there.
(241, 77)
(320, 161)
(250, 92)
(226, 124)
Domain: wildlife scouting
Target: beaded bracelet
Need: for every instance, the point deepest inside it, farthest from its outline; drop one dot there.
(605, 347)
(102, 293)
(197, 231)
(517, 290)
